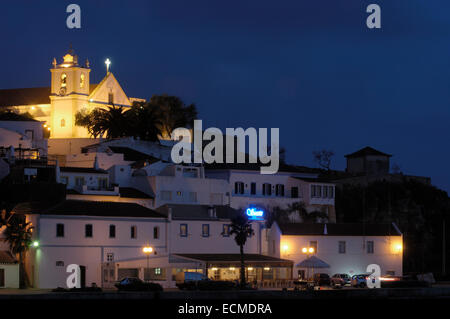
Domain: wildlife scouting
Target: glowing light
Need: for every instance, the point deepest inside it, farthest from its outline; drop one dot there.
(214, 269)
(33, 108)
(48, 128)
(311, 250)
(107, 62)
(45, 125)
(250, 268)
(253, 213)
(397, 248)
(35, 244)
(266, 268)
(305, 250)
(285, 248)
(147, 250)
(232, 268)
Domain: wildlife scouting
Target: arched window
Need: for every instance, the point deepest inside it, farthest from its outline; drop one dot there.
(63, 122)
(63, 80)
(82, 80)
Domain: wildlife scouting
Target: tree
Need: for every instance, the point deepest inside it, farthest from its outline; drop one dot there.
(172, 113)
(293, 212)
(241, 228)
(18, 234)
(146, 121)
(323, 158)
(111, 121)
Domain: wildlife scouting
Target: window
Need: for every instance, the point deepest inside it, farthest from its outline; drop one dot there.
(102, 183)
(226, 230)
(370, 248)
(157, 271)
(183, 230)
(267, 189)
(179, 193)
(192, 196)
(88, 230)
(239, 188)
(63, 123)
(59, 263)
(112, 231)
(64, 180)
(319, 190)
(110, 257)
(325, 192)
(63, 80)
(155, 232)
(79, 181)
(294, 192)
(330, 191)
(110, 98)
(316, 191)
(313, 244)
(279, 190)
(59, 230)
(205, 230)
(82, 80)
(133, 232)
(342, 247)
(253, 188)
(166, 195)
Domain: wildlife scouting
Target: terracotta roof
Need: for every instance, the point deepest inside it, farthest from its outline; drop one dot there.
(29, 96)
(367, 151)
(344, 229)
(87, 208)
(7, 258)
(232, 258)
(90, 170)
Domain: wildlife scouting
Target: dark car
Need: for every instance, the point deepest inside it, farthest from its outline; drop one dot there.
(340, 280)
(322, 280)
(136, 284)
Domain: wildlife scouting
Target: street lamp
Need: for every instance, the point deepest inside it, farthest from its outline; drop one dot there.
(308, 251)
(147, 250)
(35, 244)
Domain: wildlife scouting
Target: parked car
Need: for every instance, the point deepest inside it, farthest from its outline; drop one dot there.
(136, 284)
(360, 280)
(322, 279)
(189, 280)
(340, 280)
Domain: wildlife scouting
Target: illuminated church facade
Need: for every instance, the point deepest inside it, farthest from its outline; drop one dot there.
(69, 93)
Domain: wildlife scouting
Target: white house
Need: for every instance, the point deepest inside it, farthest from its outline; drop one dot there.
(9, 270)
(346, 248)
(248, 187)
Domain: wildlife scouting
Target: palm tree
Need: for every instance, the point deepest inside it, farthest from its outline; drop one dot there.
(111, 121)
(241, 228)
(18, 234)
(146, 121)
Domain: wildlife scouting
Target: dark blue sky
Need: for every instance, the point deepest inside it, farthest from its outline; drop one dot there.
(311, 68)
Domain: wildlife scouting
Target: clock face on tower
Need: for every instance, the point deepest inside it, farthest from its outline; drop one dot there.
(62, 91)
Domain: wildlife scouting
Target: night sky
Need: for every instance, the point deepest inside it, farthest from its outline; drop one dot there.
(311, 68)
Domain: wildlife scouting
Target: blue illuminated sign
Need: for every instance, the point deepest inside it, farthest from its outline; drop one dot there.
(254, 213)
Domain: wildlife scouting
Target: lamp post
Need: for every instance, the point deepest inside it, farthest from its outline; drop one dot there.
(308, 251)
(147, 251)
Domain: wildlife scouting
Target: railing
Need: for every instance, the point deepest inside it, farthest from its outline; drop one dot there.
(276, 283)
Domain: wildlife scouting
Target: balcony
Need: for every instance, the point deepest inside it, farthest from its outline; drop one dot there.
(89, 190)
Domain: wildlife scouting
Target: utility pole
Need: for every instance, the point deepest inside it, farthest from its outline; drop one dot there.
(443, 248)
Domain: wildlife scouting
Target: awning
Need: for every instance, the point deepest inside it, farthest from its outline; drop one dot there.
(234, 260)
(312, 262)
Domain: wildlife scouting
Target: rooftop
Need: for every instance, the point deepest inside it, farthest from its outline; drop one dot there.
(348, 229)
(367, 151)
(87, 208)
(198, 212)
(235, 258)
(90, 170)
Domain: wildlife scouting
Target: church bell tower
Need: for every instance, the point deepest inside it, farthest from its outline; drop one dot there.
(69, 94)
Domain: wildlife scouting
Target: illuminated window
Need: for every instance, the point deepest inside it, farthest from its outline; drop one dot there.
(82, 81)
(226, 230)
(205, 230)
(183, 230)
(63, 80)
(63, 123)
